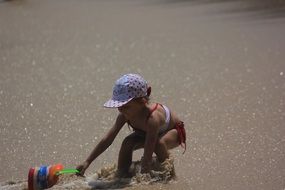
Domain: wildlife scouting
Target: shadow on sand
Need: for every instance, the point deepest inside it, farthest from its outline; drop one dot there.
(259, 8)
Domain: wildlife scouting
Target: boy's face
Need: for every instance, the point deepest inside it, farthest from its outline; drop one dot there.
(131, 108)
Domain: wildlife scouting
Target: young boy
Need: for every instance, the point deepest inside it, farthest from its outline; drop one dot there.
(155, 127)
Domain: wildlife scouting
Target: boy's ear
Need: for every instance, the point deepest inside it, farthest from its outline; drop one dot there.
(148, 91)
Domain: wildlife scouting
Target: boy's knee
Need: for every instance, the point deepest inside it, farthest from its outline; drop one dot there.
(161, 142)
(160, 145)
(129, 141)
(126, 141)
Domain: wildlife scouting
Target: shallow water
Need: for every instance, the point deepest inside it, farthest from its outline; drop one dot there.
(161, 175)
(219, 66)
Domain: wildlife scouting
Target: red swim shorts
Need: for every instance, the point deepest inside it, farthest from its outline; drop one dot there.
(181, 134)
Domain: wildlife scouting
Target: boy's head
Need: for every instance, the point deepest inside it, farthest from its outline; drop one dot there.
(127, 88)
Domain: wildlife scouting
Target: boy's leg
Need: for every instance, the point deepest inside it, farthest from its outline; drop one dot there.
(130, 143)
(166, 142)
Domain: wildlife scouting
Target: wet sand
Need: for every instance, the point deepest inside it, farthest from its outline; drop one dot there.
(219, 65)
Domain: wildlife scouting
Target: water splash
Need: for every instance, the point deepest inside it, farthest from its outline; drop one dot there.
(106, 178)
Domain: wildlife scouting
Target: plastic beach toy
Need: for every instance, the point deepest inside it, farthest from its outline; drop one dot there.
(46, 176)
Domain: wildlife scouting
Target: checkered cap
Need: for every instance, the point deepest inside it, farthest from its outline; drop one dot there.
(126, 88)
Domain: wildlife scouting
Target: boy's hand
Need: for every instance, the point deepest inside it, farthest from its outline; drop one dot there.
(82, 167)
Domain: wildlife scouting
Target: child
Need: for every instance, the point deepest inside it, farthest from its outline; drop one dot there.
(155, 127)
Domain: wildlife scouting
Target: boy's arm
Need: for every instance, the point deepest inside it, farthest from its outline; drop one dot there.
(150, 143)
(108, 139)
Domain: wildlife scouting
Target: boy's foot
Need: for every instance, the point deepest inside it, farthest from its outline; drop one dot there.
(123, 174)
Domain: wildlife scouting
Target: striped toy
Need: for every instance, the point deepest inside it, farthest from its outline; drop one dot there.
(46, 176)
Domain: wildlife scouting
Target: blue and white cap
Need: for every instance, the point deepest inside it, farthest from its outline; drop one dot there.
(126, 88)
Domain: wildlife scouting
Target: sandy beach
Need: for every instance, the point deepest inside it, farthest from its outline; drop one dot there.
(218, 64)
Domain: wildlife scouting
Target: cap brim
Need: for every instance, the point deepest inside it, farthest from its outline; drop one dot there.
(115, 103)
